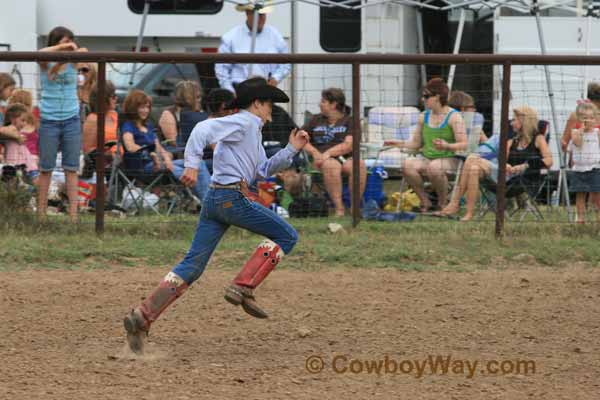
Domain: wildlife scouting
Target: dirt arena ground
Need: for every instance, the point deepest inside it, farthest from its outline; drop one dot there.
(62, 337)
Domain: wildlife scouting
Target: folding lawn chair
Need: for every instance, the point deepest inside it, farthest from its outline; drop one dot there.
(523, 189)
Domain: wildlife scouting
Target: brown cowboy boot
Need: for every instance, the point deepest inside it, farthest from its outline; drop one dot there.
(137, 322)
(241, 291)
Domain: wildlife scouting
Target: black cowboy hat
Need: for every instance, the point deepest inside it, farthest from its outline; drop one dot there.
(257, 89)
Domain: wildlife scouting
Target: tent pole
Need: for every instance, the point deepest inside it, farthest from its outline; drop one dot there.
(254, 32)
(459, 33)
(562, 176)
(421, 42)
(138, 44)
(293, 50)
(586, 78)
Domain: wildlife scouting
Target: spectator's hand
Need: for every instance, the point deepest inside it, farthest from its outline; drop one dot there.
(83, 49)
(272, 82)
(510, 170)
(69, 46)
(576, 135)
(394, 143)
(189, 177)
(11, 132)
(320, 158)
(440, 144)
(169, 164)
(299, 139)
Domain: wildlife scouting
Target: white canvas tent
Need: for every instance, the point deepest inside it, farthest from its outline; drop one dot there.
(482, 7)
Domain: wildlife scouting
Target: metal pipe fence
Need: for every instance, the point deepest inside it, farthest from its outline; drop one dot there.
(354, 60)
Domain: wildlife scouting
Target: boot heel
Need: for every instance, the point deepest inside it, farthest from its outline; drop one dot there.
(130, 324)
(233, 296)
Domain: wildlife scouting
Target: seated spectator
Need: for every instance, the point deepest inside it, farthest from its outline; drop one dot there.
(139, 135)
(331, 141)
(176, 122)
(464, 102)
(219, 103)
(439, 135)
(593, 96)
(86, 81)
(16, 152)
(30, 132)
(7, 85)
(528, 153)
(90, 132)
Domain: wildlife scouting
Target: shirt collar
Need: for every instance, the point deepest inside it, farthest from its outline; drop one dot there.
(249, 32)
(252, 117)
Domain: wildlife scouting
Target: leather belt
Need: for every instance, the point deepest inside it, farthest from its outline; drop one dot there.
(231, 186)
(241, 186)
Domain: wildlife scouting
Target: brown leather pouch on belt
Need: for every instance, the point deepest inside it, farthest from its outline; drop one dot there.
(246, 191)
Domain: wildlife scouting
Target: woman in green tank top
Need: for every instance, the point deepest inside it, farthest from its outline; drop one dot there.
(439, 135)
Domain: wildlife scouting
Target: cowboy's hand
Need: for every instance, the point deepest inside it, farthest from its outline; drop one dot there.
(299, 139)
(189, 177)
(272, 82)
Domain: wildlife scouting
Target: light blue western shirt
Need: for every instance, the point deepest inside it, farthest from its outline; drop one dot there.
(59, 100)
(239, 153)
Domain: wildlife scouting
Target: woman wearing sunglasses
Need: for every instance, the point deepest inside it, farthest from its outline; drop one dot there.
(440, 133)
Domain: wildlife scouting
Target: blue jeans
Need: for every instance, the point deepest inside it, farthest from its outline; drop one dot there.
(221, 209)
(203, 177)
(64, 135)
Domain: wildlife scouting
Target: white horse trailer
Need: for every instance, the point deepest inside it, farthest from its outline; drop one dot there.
(111, 26)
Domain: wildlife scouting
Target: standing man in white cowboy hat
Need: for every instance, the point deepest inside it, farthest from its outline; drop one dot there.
(238, 159)
(239, 40)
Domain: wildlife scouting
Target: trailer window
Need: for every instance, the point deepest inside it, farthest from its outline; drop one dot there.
(340, 28)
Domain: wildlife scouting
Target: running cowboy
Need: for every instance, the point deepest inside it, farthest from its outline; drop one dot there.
(238, 158)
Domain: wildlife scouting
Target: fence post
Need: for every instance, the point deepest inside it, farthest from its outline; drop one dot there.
(100, 163)
(356, 137)
(501, 189)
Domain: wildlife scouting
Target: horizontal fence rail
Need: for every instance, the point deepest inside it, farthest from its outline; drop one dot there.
(444, 59)
(355, 60)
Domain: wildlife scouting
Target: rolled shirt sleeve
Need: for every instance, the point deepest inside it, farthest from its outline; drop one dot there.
(280, 160)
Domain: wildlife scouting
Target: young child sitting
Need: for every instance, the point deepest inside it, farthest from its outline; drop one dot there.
(30, 132)
(584, 146)
(16, 151)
